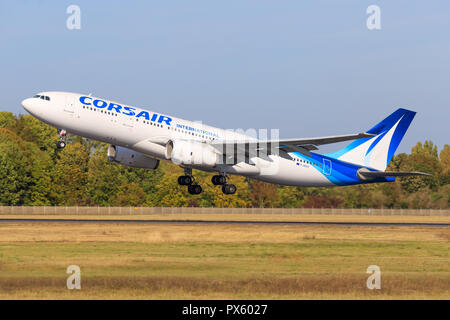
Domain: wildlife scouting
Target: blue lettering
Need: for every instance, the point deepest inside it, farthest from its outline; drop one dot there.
(154, 116)
(165, 119)
(83, 100)
(115, 107)
(130, 111)
(100, 103)
(143, 114)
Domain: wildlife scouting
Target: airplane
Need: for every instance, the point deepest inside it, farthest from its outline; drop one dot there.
(141, 138)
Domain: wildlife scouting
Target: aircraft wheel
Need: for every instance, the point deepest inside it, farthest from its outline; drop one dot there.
(60, 144)
(229, 189)
(218, 180)
(184, 180)
(195, 189)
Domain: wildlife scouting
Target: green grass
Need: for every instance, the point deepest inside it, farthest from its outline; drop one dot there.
(222, 261)
(229, 262)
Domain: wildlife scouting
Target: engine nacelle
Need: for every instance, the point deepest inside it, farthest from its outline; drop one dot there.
(131, 158)
(191, 153)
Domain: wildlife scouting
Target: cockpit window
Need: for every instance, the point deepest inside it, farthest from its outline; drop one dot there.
(47, 98)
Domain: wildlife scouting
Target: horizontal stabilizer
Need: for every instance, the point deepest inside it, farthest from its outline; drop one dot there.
(365, 174)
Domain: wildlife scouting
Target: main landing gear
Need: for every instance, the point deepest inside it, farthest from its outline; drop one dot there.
(222, 180)
(62, 139)
(188, 180)
(217, 180)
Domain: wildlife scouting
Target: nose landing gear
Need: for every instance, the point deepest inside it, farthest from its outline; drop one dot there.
(60, 144)
(62, 139)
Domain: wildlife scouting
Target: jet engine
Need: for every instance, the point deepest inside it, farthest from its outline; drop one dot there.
(131, 158)
(191, 153)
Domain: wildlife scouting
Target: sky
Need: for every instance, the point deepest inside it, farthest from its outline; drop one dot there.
(308, 68)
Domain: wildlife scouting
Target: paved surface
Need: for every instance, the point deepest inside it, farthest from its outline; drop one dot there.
(376, 224)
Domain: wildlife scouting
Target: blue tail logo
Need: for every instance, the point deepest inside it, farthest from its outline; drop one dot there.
(376, 152)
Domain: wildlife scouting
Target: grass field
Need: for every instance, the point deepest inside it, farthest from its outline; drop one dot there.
(247, 217)
(135, 261)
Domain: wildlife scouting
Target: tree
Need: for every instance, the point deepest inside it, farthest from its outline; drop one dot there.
(40, 185)
(7, 120)
(103, 178)
(71, 178)
(423, 158)
(31, 129)
(130, 194)
(290, 197)
(445, 164)
(263, 194)
(14, 168)
(34, 172)
(170, 194)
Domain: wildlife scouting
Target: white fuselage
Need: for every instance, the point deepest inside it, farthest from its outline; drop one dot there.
(151, 131)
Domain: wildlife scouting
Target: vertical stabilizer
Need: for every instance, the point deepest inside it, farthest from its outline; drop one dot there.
(376, 152)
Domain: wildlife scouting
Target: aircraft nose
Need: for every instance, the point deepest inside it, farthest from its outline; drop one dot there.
(27, 104)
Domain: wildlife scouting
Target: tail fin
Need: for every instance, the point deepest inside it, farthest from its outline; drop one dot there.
(376, 152)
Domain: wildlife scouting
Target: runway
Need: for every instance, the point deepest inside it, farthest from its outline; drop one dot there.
(237, 222)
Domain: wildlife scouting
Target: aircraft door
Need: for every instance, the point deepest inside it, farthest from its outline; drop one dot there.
(69, 106)
(128, 122)
(326, 167)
